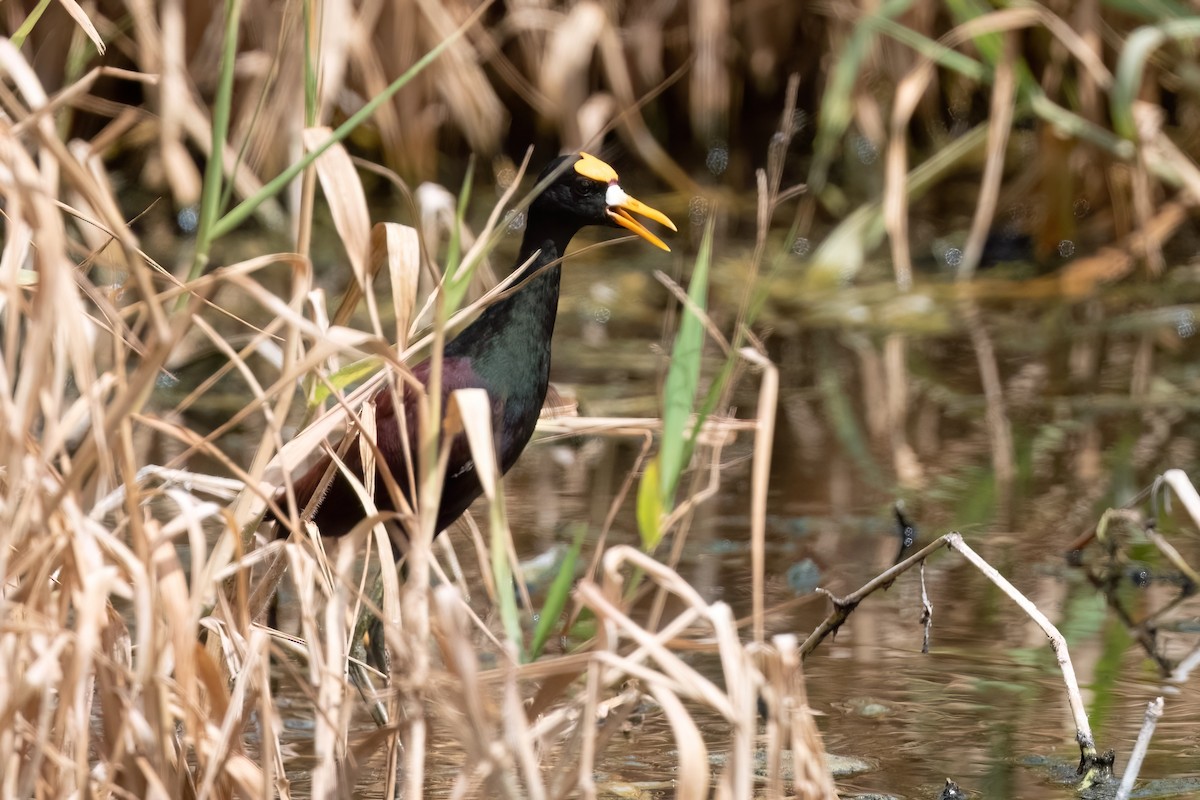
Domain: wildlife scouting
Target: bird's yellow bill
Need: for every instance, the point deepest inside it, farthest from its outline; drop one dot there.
(621, 214)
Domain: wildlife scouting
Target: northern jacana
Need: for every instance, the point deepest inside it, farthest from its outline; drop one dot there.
(505, 351)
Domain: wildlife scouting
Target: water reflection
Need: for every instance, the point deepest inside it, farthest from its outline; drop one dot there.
(1098, 397)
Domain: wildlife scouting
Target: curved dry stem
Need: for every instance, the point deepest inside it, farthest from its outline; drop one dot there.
(843, 607)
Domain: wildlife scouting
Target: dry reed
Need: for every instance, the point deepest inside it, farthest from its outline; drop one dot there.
(133, 656)
(131, 670)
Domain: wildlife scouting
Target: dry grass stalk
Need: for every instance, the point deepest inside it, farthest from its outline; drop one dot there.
(470, 88)
(1004, 88)
(711, 84)
(461, 81)
(347, 201)
(1154, 712)
(1153, 627)
(1004, 462)
(569, 51)
(764, 436)
(168, 704)
(843, 607)
(73, 392)
(673, 681)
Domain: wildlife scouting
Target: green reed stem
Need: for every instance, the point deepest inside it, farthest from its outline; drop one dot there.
(310, 67)
(210, 196)
(243, 210)
(212, 228)
(22, 33)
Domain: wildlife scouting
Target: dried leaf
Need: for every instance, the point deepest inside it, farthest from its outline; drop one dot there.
(475, 416)
(693, 775)
(401, 247)
(347, 202)
(84, 22)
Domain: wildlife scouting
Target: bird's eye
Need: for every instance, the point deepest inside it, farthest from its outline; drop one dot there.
(585, 188)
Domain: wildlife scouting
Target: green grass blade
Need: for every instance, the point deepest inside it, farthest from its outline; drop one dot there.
(1155, 10)
(710, 400)
(454, 284)
(837, 105)
(510, 615)
(344, 377)
(935, 51)
(839, 258)
(243, 210)
(556, 598)
(989, 45)
(22, 33)
(650, 507)
(310, 65)
(1128, 78)
(683, 376)
(839, 410)
(210, 194)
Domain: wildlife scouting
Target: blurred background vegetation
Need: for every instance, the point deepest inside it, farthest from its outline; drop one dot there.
(964, 231)
(1096, 127)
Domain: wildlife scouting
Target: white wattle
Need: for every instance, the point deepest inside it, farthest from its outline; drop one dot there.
(615, 196)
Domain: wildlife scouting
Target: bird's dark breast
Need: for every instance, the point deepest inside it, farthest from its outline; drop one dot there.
(515, 412)
(514, 417)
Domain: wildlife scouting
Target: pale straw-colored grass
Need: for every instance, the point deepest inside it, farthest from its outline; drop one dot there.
(131, 670)
(135, 660)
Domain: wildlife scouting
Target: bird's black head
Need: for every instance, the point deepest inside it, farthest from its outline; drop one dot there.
(585, 191)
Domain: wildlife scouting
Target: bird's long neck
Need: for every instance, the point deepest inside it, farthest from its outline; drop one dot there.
(510, 342)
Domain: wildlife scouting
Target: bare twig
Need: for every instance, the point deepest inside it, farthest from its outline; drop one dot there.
(1154, 711)
(844, 606)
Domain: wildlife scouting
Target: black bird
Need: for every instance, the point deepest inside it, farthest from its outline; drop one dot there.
(505, 351)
